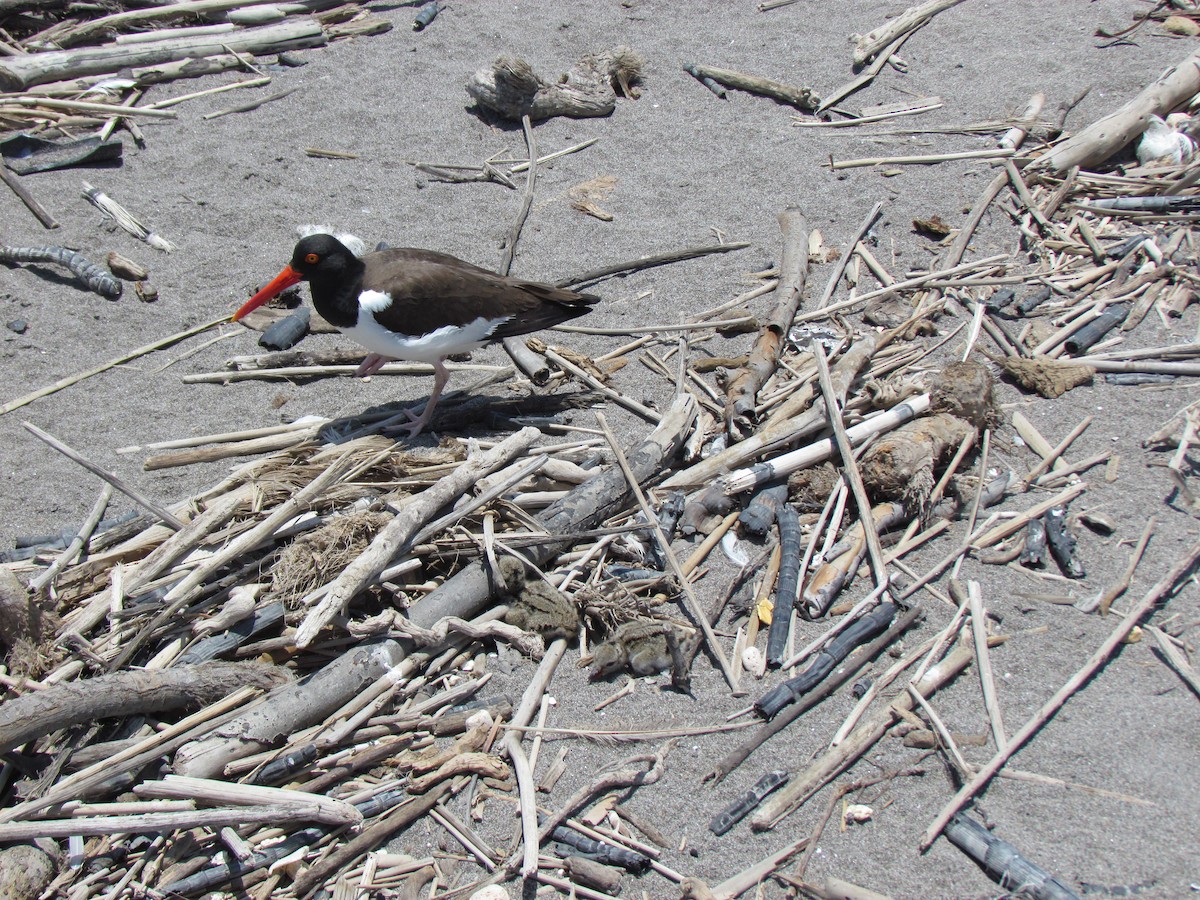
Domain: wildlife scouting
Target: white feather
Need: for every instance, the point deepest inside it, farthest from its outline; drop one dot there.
(355, 245)
(1163, 141)
(420, 348)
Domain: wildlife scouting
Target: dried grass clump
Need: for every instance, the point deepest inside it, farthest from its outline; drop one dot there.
(316, 557)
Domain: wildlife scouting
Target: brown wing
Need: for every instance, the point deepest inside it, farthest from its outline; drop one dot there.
(431, 289)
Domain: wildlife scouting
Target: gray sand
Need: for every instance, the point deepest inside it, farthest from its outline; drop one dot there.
(230, 191)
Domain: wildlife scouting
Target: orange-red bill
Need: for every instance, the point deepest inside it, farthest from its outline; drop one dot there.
(274, 288)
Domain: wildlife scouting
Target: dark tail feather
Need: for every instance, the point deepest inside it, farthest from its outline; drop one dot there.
(555, 306)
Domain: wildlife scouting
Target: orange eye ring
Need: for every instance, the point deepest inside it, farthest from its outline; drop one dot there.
(312, 258)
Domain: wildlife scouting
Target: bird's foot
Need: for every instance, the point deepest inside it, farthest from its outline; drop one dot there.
(371, 364)
(417, 423)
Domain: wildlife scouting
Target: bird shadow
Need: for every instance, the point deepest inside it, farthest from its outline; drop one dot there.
(460, 412)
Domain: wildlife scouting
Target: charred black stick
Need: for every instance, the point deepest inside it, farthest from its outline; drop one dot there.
(746, 803)
(787, 588)
(706, 81)
(839, 677)
(669, 514)
(763, 509)
(1002, 863)
(427, 14)
(1094, 330)
(867, 627)
(94, 277)
(599, 851)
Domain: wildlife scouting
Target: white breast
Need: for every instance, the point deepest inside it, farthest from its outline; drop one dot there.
(418, 348)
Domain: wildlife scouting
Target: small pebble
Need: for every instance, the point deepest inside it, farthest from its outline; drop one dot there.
(857, 813)
(17, 326)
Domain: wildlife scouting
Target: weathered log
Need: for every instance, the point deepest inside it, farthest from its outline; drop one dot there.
(1107, 135)
(125, 694)
(20, 72)
(907, 22)
(800, 97)
(287, 709)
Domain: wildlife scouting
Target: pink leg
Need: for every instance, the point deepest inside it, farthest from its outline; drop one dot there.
(371, 364)
(440, 376)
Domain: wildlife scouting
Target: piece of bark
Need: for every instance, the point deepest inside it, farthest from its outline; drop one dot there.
(125, 694)
(764, 357)
(20, 72)
(510, 87)
(287, 709)
(468, 591)
(1104, 137)
(22, 620)
(1047, 376)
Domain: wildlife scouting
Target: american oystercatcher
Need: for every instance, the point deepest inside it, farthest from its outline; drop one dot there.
(419, 305)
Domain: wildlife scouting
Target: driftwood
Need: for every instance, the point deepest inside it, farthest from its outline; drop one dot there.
(288, 709)
(125, 694)
(393, 538)
(20, 72)
(511, 88)
(1107, 135)
(764, 357)
(799, 97)
(908, 21)
(465, 593)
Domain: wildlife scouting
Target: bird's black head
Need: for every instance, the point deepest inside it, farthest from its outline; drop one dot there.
(322, 256)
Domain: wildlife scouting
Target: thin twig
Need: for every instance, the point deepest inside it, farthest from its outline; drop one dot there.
(1165, 585)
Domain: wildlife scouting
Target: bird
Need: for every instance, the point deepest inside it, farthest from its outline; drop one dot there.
(406, 303)
(1167, 140)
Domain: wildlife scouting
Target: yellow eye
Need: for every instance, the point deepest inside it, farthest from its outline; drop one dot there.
(312, 258)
